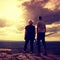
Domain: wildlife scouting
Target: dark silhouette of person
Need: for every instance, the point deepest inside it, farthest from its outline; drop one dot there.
(41, 29)
(29, 36)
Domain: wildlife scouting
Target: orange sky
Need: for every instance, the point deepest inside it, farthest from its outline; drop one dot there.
(12, 21)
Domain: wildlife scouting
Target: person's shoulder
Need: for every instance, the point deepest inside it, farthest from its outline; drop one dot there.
(26, 26)
(39, 22)
(33, 26)
(43, 22)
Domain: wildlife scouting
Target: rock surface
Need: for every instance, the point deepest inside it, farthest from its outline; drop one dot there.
(26, 56)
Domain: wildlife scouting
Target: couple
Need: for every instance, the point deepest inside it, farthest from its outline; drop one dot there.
(30, 35)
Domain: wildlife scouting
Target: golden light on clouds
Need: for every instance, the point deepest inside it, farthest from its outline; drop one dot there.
(49, 6)
(52, 4)
(53, 37)
(53, 32)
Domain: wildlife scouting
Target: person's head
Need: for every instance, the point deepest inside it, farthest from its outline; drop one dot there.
(40, 17)
(30, 22)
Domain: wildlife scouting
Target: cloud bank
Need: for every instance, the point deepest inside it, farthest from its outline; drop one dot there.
(35, 8)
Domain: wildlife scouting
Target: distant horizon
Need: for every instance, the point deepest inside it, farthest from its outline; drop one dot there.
(24, 41)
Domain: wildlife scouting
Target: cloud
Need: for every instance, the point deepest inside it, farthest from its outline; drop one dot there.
(52, 17)
(53, 31)
(49, 10)
(2, 23)
(34, 8)
(5, 23)
(53, 5)
(53, 28)
(11, 33)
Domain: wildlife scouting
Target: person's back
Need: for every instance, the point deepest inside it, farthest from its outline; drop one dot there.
(41, 29)
(29, 35)
(30, 29)
(30, 32)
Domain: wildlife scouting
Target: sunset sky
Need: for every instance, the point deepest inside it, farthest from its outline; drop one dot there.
(14, 15)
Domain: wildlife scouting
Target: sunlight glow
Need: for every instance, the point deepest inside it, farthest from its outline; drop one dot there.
(9, 9)
(13, 17)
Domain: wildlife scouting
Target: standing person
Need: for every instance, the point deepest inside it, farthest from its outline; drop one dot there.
(41, 29)
(29, 36)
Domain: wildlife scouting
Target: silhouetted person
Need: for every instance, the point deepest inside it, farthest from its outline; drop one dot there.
(29, 36)
(41, 29)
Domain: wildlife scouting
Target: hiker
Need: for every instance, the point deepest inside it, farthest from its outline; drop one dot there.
(29, 36)
(41, 29)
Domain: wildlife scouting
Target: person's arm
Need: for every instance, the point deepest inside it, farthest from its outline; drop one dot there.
(25, 33)
(34, 32)
(37, 27)
(45, 28)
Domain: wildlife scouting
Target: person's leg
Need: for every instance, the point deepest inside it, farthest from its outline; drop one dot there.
(31, 45)
(38, 44)
(44, 43)
(26, 43)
